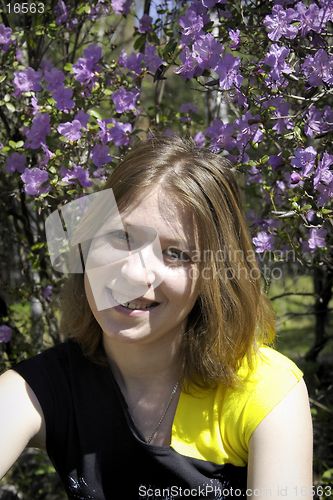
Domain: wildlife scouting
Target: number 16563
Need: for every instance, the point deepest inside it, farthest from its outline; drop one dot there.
(25, 8)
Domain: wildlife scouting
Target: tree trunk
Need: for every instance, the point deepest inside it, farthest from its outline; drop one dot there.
(323, 287)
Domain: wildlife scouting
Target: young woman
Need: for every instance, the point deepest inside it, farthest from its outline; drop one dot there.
(173, 392)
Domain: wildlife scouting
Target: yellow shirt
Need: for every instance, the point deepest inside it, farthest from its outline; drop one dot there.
(217, 425)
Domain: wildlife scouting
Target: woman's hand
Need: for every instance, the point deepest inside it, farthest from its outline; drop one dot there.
(280, 453)
(21, 419)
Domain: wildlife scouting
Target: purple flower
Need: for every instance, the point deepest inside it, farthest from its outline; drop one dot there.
(86, 67)
(318, 121)
(93, 53)
(323, 172)
(200, 139)
(145, 24)
(98, 10)
(188, 107)
(239, 98)
(133, 62)
(280, 114)
(323, 180)
(281, 185)
(54, 78)
(191, 24)
(319, 68)
(78, 173)
(151, 58)
(35, 106)
(15, 162)
(317, 238)
(234, 36)
(207, 51)
(295, 178)
(26, 81)
(47, 292)
(100, 155)
(248, 131)
(263, 242)
(40, 128)
(280, 23)
(121, 6)
(35, 181)
(190, 67)
(5, 37)
(119, 133)
(327, 7)
(305, 160)
(6, 333)
(221, 135)
(276, 60)
(70, 130)
(255, 176)
(82, 117)
(47, 155)
(61, 12)
(211, 3)
(228, 72)
(105, 127)
(310, 18)
(63, 98)
(125, 100)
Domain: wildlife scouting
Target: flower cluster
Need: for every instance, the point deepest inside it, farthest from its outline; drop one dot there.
(267, 75)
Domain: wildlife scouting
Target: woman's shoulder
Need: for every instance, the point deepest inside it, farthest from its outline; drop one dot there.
(263, 384)
(268, 364)
(58, 352)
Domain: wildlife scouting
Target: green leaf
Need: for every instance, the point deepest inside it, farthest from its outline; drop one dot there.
(326, 211)
(10, 107)
(264, 159)
(95, 114)
(83, 9)
(38, 246)
(15, 145)
(139, 42)
(169, 49)
(306, 207)
(3, 78)
(328, 474)
(68, 67)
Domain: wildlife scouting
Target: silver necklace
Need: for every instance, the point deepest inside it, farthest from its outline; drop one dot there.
(172, 395)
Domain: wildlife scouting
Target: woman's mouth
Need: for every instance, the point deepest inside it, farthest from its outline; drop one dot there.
(141, 304)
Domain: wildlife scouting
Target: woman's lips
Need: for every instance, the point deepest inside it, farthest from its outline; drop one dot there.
(141, 305)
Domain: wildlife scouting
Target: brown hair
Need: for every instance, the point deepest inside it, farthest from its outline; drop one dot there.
(232, 316)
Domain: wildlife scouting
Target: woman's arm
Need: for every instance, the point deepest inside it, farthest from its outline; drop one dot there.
(21, 419)
(280, 450)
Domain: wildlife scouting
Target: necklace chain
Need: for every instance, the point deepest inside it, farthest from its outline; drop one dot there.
(172, 395)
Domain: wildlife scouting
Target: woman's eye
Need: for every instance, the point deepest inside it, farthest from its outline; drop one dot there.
(174, 254)
(119, 237)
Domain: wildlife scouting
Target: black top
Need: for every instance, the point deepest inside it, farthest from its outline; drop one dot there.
(95, 447)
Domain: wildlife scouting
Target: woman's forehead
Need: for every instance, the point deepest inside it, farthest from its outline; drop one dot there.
(160, 210)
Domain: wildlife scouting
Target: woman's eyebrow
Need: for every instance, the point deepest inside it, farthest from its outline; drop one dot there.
(182, 243)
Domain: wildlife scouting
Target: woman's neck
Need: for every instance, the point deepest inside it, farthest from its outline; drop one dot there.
(144, 365)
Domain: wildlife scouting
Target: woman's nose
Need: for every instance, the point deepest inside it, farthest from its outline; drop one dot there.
(136, 271)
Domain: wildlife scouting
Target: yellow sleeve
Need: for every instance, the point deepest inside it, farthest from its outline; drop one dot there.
(272, 377)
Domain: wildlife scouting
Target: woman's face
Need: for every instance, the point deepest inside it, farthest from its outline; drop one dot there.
(173, 276)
